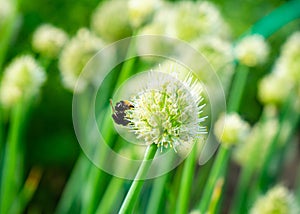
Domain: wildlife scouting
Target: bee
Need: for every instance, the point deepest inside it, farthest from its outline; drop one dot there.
(119, 111)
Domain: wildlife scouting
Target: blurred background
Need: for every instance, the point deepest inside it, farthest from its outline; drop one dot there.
(48, 139)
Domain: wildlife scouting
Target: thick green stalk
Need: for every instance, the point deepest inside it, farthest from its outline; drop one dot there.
(137, 184)
(186, 183)
(9, 181)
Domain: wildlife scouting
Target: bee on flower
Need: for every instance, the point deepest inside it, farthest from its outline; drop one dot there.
(167, 112)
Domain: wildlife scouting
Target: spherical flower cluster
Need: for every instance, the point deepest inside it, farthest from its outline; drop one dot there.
(277, 200)
(111, 20)
(270, 90)
(193, 19)
(139, 11)
(291, 56)
(21, 80)
(287, 65)
(231, 129)
(252, 50)
(167, 112)
(6, 10)
(74, 56)
(188, 20)
(49, 40)
(285, 73)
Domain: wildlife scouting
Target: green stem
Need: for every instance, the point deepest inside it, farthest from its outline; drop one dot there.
(237, 89)
(222, 158)
(289, 116)
(9, 181)
(263, 179)
(186, 182)
(137, 184)
(247, 171)
(219, 166)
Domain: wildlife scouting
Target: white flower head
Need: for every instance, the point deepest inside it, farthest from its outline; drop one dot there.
(231, 129)
(168, 112)
(289, 60)
(270, 90)
(194, 19)
(110, 21)
(252, 50)
(277, 200)
(6, 9)
(139, 11)
(22, 79)
(74, 56)
(49, 40)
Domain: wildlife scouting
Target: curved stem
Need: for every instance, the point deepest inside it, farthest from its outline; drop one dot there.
(136, 186)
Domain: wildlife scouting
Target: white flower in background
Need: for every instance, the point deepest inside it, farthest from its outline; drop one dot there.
(252, 50)
(6, 9)
(277, 200)
(273, 89)
(22, 79)
(231, 129)
(49, 40)
(289, 60)
(111, 21)
(256, 145)
(74, 56)
(168, 112)
(194, 19)
(140, 11)
(188, 20)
